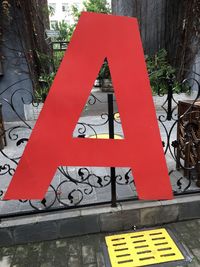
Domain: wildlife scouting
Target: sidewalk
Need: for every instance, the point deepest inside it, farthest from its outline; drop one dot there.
(87, 251)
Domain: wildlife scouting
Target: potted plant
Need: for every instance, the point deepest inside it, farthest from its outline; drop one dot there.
(105, 78)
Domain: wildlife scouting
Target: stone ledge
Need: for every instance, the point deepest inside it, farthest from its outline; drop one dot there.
(126, 216)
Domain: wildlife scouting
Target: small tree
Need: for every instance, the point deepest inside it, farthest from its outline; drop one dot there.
(98, 6)
(65, 30)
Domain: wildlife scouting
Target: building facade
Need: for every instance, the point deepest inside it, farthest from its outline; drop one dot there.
(61, 10)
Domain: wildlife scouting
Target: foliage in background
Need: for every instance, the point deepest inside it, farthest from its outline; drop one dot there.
(51, 10)
(66, 30)
(104, 71)
(98, 6)
(45, 81)
(58, 56)
(161, 73)
(45, 61)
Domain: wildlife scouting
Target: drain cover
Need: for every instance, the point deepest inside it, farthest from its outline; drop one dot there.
(142, 248)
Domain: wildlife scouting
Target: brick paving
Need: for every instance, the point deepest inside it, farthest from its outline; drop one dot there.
(87, 251)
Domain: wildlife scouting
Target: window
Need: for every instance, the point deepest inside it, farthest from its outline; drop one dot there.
(65, 7)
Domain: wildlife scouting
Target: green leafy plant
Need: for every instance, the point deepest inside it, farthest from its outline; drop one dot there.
(104, 71)
(57, 58)
(45, 81)
(41, 94)
(64, 29)
(162, 74)
(45, 61)
(98, 6)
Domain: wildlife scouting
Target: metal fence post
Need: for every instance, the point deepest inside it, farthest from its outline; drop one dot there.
(169, 99)
(111, 136)
(3, 141)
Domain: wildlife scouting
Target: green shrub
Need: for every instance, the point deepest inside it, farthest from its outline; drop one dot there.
(104, 71)
(57, 58)
(45, 81)
(162, 74)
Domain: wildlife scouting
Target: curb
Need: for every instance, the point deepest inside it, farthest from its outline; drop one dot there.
(68, 223)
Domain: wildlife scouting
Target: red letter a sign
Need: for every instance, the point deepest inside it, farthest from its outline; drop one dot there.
(51, 144)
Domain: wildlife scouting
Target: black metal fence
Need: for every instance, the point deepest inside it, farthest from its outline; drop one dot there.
(179, 123)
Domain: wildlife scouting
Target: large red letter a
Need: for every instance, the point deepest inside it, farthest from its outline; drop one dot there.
(51, 144)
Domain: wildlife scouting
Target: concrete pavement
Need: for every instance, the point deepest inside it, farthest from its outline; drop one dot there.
(87, 250)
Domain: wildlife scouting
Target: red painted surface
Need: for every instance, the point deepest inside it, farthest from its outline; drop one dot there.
(51, 144)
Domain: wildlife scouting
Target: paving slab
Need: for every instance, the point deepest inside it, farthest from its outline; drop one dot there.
(89, 250)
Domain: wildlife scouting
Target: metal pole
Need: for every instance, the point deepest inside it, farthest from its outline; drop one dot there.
(169, 100)
(111, 136)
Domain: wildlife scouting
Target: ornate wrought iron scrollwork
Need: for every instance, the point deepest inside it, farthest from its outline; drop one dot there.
(185, 144)
(74, 186)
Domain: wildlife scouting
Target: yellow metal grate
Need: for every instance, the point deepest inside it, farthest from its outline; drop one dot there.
(142, 248)
(105, 136)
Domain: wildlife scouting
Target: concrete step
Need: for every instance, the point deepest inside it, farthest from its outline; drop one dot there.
(98, 219)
